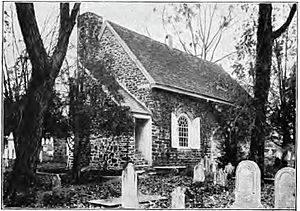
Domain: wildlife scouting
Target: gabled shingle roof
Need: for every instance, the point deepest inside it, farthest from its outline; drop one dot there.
(177, 69)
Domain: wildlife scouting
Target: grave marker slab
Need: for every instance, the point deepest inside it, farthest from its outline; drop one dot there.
(215, 178)
(178, 198)
(129, 187)
(221, 177)
(247, 186)
(56, 183)
(285, 188)
(206, 164)
(199, 175)
(229, 168)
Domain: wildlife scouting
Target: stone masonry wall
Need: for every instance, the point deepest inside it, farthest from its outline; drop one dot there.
(108, 50)
(163, 104)
(111, 154)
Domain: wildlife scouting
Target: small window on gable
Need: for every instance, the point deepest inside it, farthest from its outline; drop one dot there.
(183, 129)
(185, 132)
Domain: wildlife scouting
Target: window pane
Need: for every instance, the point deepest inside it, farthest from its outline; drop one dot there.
(183, 131)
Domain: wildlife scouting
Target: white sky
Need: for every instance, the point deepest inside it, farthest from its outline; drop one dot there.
(140, 17)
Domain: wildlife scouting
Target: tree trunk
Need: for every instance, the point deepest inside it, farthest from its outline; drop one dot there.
(29, 128)
(81, 129)
(34, 103)
(265, 37)
(262, 83)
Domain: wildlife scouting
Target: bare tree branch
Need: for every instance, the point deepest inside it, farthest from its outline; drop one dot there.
(30, 32)
(279, 31)
(210, 23)
(216, 45)
(66, 26)
(223, 57)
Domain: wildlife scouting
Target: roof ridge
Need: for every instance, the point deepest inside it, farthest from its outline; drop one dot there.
(161, 43)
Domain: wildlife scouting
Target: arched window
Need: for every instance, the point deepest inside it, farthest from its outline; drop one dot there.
(183, 129)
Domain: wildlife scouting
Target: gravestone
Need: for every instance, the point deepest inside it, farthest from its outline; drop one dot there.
(214, 178)
(199, 175)
(206, 164)
(221, 177)
(178, 198)
(202, 161)
(129, 187)
(229, 168)
(247, 186)
(285, 188)
(56, 183)
(214, 171)
(41, 156)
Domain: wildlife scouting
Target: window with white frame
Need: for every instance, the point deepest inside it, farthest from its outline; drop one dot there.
(185, 131)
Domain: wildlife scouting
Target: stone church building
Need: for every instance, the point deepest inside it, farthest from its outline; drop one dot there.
(171, 94)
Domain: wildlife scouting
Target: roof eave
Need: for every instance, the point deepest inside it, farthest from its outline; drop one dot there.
(190, 93)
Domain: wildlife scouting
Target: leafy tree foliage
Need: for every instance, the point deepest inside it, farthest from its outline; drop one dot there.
(96, 109)
(56, 123)
(235, 122)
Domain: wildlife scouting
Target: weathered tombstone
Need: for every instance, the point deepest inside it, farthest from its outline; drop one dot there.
(214, 178)
(178, 198)
(247, 186)
(285, 188)
(221, 177)
(56, 183)
(129, 187)
(206, 164)
(214, 167)
(214, 170)
(41, 156)
(199, 175)
(229, 169)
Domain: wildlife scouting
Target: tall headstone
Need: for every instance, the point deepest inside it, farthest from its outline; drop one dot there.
(206, 164)
(199, 175)
(5, 156)
(178, 198)
(41, 156)
(229, 168)
(214, 171)
(247, 186)
(285, 188)
(129, 187)
(11, 147)
(56, 183)
(221, 177)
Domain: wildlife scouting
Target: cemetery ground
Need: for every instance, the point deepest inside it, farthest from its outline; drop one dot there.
(107, 184)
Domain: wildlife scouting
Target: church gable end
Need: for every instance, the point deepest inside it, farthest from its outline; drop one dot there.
(99, 42)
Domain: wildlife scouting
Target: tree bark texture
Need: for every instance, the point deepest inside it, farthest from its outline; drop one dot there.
(34, 103)
(262, 83)
(81, 128)
(265, 38)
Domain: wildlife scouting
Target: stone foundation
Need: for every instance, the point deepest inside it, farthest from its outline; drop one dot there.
(108, 153)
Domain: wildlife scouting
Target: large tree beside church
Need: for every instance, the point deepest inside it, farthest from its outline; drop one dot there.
(34, 103)
(265, 40)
